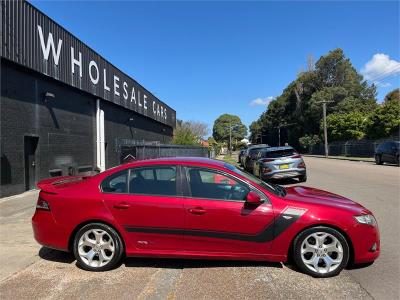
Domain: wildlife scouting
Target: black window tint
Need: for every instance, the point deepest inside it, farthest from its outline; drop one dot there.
(153, 181)
(279, 153)
(210, 184)
(116, 183)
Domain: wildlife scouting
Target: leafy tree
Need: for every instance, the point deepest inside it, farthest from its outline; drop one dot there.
(255, 129)
(221, 128)
(333, 79)
(347, 126)
(393, 96)
(385, 120)
(189, 132)
(309, 141)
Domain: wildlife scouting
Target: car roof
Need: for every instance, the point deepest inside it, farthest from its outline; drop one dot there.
(178, 160)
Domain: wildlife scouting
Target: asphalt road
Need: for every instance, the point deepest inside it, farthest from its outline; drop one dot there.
(378, 189)
(29, 271)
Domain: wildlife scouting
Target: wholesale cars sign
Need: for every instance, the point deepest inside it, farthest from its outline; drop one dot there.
(35, 41)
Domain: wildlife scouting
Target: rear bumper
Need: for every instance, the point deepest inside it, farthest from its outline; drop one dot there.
(47, 232)
(281, 174)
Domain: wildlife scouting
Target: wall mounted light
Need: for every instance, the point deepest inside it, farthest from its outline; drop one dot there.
(49, 97)
(129, 121)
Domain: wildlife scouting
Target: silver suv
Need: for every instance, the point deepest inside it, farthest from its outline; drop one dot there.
(279, 163)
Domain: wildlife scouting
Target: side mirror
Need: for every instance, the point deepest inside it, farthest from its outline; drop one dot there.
(253, 198)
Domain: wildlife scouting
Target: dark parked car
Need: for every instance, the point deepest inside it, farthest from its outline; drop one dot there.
(387, 152)
(240, 155)
(251, 156)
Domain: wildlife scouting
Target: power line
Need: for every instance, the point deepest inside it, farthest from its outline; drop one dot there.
(383, 75)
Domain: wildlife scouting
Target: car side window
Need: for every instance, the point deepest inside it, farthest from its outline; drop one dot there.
(157, 180)
(116, 183)
(211, 184)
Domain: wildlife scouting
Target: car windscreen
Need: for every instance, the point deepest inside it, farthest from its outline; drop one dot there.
(278, 153)
(273, 188)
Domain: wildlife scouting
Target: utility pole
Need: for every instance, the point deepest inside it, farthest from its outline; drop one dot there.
(325, 127)
(230, 140)
(279, 134)
(230, 137)
(325, 130)
(279, 131)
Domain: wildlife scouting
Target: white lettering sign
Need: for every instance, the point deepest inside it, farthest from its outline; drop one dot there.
(50, 44)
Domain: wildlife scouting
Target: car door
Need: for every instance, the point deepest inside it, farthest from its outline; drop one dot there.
(147, 203)
(392, 150)
(217, 218)
(384, 148)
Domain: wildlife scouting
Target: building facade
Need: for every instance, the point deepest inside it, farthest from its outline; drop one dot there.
(63, 106)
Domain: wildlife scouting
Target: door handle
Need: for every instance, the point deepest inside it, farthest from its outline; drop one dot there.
(197, 211)
(122, 205)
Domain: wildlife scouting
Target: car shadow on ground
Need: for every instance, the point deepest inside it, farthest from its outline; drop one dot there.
(56, 255)
(165, 263)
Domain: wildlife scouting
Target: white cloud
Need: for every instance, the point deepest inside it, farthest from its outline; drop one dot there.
(380, 67)
(261, 101)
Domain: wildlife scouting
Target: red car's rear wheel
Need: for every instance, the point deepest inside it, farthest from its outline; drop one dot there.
(97, 247)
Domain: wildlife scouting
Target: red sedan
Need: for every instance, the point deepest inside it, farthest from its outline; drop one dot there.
(200, 208)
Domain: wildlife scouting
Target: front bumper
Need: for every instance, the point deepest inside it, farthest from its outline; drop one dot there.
(365, 238)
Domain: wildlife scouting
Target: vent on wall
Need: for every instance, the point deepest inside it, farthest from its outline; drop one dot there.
(55, 172)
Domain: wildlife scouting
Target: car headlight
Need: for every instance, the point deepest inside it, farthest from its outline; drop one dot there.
(366, 219)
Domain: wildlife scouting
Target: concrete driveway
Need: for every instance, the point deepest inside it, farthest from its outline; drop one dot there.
(29, 271)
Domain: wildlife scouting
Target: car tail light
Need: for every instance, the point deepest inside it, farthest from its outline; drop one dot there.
(301, 165)
(296, 156)
(42, 204)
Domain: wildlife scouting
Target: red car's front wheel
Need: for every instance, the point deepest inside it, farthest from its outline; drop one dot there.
(321, 251)
(97, 247)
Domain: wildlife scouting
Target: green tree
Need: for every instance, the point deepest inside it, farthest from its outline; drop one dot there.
(221, 128)
(393, 96)
(333, 79)
(309, 141)
(347, 126)
(385, 120)
(189, 132)
(255, 130)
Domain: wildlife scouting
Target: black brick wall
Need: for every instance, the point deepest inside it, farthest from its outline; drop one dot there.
(66, 126)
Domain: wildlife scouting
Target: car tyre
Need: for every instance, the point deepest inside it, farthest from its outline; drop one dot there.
(314, 260)
(378, 159)
(303, 178)
(97, 247)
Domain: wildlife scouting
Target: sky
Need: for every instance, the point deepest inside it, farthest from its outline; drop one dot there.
(208, 58)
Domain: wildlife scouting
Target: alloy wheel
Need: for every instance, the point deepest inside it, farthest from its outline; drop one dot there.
(321, 252)
(96, 248)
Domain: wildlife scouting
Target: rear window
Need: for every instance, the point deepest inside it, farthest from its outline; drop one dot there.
(279, 153)
(157, 180)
